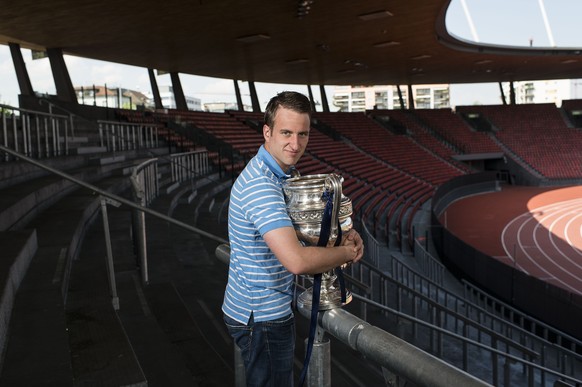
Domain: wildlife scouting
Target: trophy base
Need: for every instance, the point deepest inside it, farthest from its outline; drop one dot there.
(330, 298)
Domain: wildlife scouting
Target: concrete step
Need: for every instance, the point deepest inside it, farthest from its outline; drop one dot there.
(18, 248)
(88, 150)
(73, 140)
(20, 203)
(107, 159)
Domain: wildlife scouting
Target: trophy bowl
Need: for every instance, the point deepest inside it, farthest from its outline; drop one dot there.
(306, 198)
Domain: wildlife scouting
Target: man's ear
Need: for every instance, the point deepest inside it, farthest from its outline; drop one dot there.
(266, 132)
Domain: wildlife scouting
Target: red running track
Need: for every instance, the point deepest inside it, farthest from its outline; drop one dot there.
(537, 230)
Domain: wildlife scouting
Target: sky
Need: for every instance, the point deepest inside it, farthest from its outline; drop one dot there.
(507, 22)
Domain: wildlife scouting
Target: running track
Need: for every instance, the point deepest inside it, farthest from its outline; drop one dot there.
(536, 230)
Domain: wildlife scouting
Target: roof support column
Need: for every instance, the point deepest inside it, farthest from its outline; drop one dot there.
(511, 93)
(400, 99)
(238, 96)
(410, 98)
(254, 97)
(178, 92)
(155, 90)
(63, 84)
(503, 100)
(311, 101)
(324, 103)
(20, 68)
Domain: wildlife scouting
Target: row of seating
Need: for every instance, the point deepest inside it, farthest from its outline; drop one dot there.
(388, 175)
(539, 135)
(396, 150)
(456, 131)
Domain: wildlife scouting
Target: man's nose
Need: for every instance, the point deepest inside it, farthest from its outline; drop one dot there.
(294, 142)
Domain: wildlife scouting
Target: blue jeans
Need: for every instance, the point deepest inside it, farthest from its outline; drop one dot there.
(267, 349)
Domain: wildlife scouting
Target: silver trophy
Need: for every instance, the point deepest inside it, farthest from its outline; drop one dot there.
(306, 198)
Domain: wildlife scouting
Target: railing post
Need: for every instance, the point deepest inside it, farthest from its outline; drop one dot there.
(101, 139)
(24, 121)
(319, 370)
(110, 266)
(38, 137)
(66, 138)
(139, 227)
(71, 120)
(46, 138)
(5, 134)
(15, 132)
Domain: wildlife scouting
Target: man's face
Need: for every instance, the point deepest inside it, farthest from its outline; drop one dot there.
(287, 140)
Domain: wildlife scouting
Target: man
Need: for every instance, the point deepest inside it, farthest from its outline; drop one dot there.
(265, 251)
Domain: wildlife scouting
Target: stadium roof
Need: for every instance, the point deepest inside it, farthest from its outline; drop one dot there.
(336, 43)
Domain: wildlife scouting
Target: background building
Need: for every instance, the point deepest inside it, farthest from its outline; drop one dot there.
(548, 91)
(104, 96)
(169, 101)
(361, 98)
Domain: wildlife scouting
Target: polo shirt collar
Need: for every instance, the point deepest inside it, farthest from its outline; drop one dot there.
(271, 163)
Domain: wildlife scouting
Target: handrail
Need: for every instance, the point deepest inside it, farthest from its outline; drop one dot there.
(495, 351)
(443, 309)
(129, 135)
(117, 198)
(561, 353)
(469, 287)
(391, 352)
(185, 166)
(144, 182)
(383, 348)
(40, 113)
(401, 357)
(39, 132)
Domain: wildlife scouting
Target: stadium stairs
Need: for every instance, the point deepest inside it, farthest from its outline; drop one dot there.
(43, 221)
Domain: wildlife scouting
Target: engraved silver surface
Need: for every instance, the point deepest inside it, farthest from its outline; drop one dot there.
(305, 199)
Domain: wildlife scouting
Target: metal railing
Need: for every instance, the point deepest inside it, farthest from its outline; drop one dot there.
(473, 294)
(510, 363)
(114, 197)
(395, 355)
(35, 134)
(120, 136)
(415, 294)
(189, 165)
(145, 183)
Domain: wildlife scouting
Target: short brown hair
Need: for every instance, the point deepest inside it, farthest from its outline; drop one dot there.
(290, 100)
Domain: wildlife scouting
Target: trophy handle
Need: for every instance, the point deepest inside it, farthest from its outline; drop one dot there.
(334, 181)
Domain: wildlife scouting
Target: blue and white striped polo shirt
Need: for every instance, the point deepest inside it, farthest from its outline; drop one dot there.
(257, 282)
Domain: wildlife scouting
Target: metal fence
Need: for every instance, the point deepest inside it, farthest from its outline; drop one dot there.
(189, 165)
(35, 134)
(120, 136)
(512, 351)
(145, 183)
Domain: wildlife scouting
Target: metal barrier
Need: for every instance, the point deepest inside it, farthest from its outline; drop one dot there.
(35, 134)
(414, 294)
(113, 198)
(146, 187)
(120, 136)
(189, 165)
(390, 352)
(145, 183)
